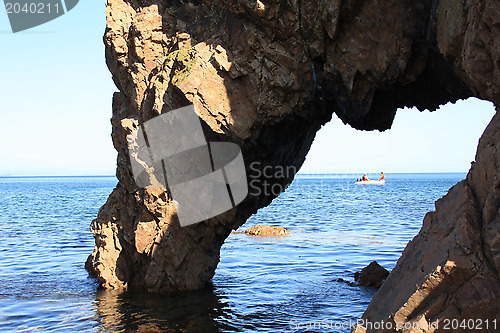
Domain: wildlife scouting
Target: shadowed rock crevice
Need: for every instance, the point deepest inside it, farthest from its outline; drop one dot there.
(267, 75)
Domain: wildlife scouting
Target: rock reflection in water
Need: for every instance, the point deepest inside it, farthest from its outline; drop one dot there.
(142, 312)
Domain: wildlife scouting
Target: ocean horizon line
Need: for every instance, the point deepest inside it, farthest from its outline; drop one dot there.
(297, 175)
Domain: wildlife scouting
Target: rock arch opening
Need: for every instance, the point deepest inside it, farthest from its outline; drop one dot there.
(444, 140)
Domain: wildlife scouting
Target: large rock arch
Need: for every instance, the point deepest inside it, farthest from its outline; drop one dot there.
(267, 75)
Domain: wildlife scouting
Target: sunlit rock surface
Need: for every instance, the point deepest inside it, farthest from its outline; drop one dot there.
(265, 230)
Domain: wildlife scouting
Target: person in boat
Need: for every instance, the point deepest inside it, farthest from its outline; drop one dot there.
(364, 178)
(382, 176)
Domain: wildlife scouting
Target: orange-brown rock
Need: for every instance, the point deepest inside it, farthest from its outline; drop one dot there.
(266, 75)
(265, 231)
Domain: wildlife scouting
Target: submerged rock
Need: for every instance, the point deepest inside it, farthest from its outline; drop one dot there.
(372, 275)
(264, 230)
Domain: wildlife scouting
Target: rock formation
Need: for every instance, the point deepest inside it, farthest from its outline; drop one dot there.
(448, 276)
(266, 74)
(265, 230)
(372, 275)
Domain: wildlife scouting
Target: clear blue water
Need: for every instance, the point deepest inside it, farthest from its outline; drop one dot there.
(262, 284)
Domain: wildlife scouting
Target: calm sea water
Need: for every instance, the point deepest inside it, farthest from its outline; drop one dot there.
(291, 284)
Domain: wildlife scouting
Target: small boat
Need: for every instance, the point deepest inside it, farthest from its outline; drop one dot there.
(370, 182)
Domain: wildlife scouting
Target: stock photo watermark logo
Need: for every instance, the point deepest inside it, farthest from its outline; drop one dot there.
(269, 180)
(204, 179)
(26, 14)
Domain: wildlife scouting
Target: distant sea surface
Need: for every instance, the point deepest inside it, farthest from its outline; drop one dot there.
(294, 283)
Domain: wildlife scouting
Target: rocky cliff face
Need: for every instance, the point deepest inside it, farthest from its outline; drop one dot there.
(266, 75)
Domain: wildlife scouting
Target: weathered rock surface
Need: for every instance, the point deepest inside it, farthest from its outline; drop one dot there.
(266, 75)
(265, 230)
(372, 275)
(468, 35)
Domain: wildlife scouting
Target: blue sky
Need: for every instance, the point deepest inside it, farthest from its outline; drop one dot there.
(56, 96)
(56, 106)
(441, 141)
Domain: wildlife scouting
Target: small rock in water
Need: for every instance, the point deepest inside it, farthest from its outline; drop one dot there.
(264, 230)
(372, 275)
